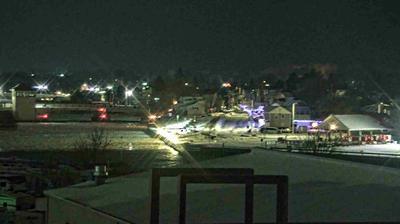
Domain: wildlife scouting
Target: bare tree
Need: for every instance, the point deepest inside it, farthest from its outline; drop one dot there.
(92, 146)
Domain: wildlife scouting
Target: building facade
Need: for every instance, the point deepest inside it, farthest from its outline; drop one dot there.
(23, 103)
(280, 117)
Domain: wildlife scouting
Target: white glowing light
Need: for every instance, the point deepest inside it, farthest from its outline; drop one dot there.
(41, 87)
(62, 75)
(128, 93)
(84, 87)
(226, 85)
(333, 127)
(152, 117)
(109, 87)
(314, 124)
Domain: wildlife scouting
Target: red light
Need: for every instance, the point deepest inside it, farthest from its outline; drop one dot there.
(103, 116)
(42, 116)
(101, 109)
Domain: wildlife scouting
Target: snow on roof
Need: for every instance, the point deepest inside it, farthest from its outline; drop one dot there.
(279, 110)
(357, 122)
(320, 189)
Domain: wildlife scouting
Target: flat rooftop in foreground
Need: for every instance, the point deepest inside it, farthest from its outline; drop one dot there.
(320, 189)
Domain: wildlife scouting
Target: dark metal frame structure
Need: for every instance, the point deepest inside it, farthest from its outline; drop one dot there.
(217, 176)
(249, 181)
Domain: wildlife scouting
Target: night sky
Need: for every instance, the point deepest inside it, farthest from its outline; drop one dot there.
(155, 36)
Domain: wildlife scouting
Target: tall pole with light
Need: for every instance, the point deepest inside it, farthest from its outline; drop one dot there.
(128, 93)
(293, 115)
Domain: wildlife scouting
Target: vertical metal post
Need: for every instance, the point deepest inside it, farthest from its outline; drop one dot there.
(155, 197)
(181, 201)
(282, 201)
(249, 197)
(293, 115)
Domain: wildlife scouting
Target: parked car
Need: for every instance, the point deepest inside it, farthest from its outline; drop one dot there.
(269, 130)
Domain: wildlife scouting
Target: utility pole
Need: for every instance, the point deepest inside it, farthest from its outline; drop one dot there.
(293, 115)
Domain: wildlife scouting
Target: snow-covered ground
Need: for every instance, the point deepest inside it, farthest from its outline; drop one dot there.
(320, 190)
(390, 149)
(262, 140)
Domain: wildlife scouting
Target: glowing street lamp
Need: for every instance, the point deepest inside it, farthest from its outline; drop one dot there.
(293, 115)
(84, 87)
(128, 92)
(41, 87)
(226, 85)
(152, 117)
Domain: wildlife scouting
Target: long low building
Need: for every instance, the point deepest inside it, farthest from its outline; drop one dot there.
(356, 127)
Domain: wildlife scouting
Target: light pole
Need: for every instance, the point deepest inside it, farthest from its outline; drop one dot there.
(128, 93)
(293, 115)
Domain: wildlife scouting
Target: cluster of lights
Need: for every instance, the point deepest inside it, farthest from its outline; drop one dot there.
(94, 89)
(102, 113)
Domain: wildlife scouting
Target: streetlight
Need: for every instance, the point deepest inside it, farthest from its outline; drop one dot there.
(226, 85)
(84, 87)
(293, 115)
(41, 87)
(128, 93)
